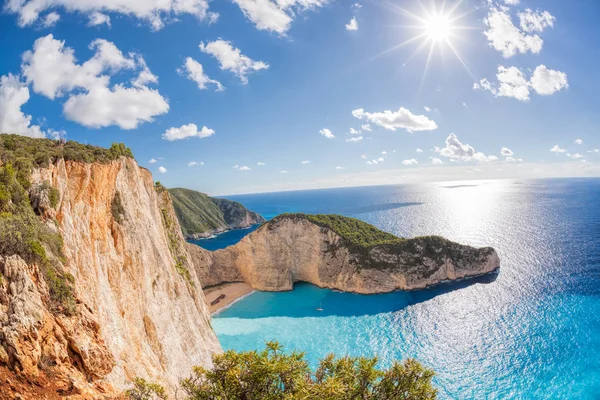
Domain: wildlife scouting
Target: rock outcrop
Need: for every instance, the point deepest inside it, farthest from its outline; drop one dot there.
(140, 310)
(202, 216)
(293, 248)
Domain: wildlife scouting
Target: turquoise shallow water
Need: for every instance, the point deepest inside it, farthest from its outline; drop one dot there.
(531, 332)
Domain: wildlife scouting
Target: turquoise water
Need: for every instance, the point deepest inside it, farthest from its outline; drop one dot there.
(531, 332)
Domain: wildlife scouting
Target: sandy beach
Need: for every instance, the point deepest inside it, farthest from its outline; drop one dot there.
(232, 292)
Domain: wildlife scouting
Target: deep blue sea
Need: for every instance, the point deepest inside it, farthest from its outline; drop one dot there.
(531, 332)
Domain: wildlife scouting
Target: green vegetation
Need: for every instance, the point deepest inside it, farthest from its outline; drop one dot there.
(354, 232)
(143, 390)
(159, 187)
(272, 374)
(199, 213)
(22, 232)
(116, 208)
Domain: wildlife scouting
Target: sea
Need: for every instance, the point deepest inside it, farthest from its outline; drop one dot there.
(530, 332)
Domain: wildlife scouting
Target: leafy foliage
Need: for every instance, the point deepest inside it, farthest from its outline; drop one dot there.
(143, 390)
(273, 374)
(200, 213)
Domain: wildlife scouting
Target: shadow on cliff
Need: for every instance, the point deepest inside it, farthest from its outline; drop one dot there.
(306, 298)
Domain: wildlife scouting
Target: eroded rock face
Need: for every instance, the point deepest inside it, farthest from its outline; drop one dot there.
(289, 250)
(140, 309)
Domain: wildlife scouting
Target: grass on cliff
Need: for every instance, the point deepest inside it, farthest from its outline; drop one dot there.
(22, 232)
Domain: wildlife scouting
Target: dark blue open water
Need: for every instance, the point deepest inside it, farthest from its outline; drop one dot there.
(532, 332)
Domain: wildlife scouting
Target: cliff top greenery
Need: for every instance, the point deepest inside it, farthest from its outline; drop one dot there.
(199, 213)
(273, 374)
(353, 231)
(42, 152)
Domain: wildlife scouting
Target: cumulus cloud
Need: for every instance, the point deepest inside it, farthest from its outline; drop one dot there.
(419, 150)
(512, 82)
(576, 155)
(352, 25)
(232, 59)
(305, 162)
(535, 21)
(436, 161)
(338, 168)
(276, 15)
(195, 163)
(327, 133)
(260, 164)
(412, 161)
(505, 37)
(195, 72)
(456, 150)
(354, 132)
(557, 149)
(153, 161)
(97, 18)
(244, 168)
(366, 127)
(355, 139)
(154, 12)
(52, 70)
(50, 20)
(505, 151)
(187, 131)
(13, 95)
(162, 170)
(578, 141)
(380, 159)
(393, 120)
(363, 156)
(427, 109)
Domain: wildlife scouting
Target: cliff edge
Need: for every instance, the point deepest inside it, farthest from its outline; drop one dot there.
(339, 253)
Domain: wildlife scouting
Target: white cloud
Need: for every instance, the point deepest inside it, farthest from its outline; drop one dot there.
(162, 170)
(535, 21)
(354, 132)
(153, 161)
(187, 131)
(392, 120)
(232, 59)
(327, 133)
(384, 152)
(380, 159)
(578, 141)
(275, 15)
(511, 2)
(338, 168)
(13, 95)
(260, 164)
(427, 109)
(512, 82)
(195, 163)
(508, 39)
(366, 127)
(305, 162)
(412, 161)
(363, 156)
(419, 150)
(155, 12)
(557, 149)
(52, 70)
(576, 155)
(352, 25)
(594, 151)
(357, 6)
(244, 168)
(195, 72)
(505, 151)
(50, 20)
(355, 139)
(97, 18)
(436, 161)
(283, 171)
(456, 150)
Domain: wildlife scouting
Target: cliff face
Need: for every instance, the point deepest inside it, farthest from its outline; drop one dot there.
(287, 250)
(201, 216)
(140, 307)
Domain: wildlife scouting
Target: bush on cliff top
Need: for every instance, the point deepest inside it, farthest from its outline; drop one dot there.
(274, 374)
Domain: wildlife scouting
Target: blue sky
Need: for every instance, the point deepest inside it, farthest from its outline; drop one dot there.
(294, 72)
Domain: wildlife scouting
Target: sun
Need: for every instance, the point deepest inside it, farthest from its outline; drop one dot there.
(438, 28)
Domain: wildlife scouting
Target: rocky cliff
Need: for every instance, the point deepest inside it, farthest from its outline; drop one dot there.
(202, 216)
(139, 310)
(340, 253)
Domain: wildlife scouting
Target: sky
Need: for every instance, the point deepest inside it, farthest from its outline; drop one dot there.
(245, 96)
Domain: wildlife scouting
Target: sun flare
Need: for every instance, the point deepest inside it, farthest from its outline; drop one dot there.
(438, 27)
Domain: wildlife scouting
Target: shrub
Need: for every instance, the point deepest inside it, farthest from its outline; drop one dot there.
(143, 390)
(272, 374)
(53, 196)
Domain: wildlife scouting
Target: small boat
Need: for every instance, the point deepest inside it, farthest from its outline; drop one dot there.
(320, 307)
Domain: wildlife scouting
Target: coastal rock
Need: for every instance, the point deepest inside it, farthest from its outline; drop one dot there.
(289, 249)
